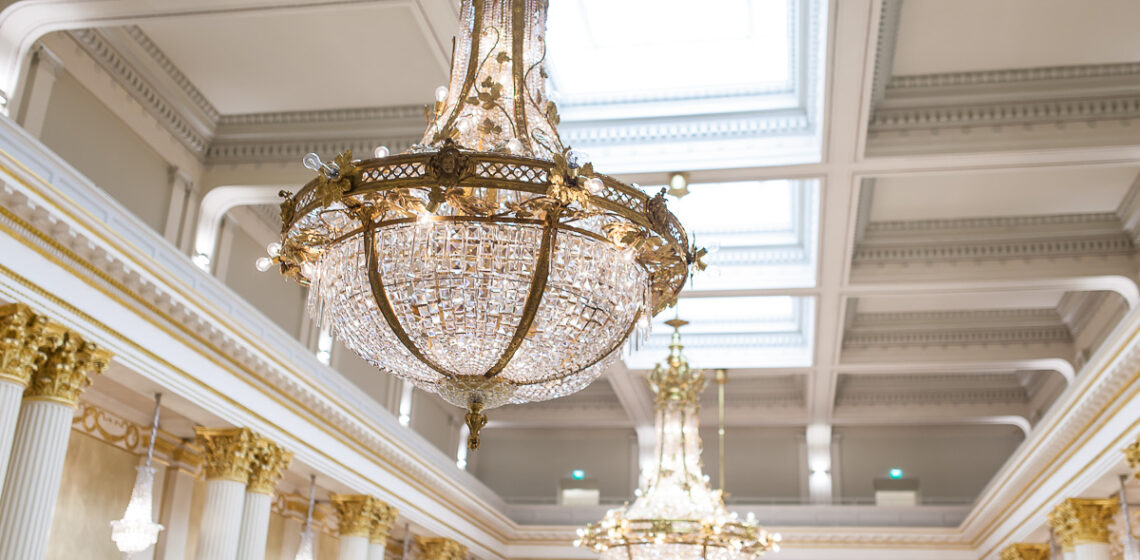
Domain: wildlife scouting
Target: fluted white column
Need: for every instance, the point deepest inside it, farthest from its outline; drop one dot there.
(268, 463)
(31, 485)
(39, 447)
(178, 492)
(353, 548)
(221, 519)
(1093, 551)
(254, 526)
(10, 395)
(376, 551)
(229, 453)
(383, 517)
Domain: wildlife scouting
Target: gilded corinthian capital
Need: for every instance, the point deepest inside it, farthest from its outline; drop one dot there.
(228, 452)
(70, 364)
(1132, 452)
(269, 463)
(354, 514)
(440, 548)
(1026, 551)
(1063, 520)
(383, 517)
(1093, 519)
(23, 336)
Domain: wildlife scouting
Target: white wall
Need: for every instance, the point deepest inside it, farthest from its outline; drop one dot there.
(83, 131)
(435, 419)
(951, 462)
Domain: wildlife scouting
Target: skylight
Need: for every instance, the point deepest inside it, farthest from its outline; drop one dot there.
(682, 48)
(735, 332)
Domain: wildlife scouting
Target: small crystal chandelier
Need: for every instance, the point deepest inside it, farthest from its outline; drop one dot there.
(305, 548)
(137, 531)
(489, 263)
(676, 515)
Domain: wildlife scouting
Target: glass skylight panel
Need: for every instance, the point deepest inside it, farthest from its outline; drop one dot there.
(735, 332)
(760, 234)
(682, 48)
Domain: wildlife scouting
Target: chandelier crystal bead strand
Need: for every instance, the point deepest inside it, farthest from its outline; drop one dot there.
(489, 263)
(676, 515)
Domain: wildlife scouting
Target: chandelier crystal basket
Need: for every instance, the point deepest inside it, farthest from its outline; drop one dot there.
(489, 263)
(137, 531)
(676, 514)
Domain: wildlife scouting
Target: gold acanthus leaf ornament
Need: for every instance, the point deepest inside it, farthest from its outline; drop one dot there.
(332, 188)
(624, 234)
(287, 209)
(466, 203)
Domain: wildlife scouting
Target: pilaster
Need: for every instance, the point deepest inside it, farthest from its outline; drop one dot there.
(383, 517)
(269, 463)
(355, 514)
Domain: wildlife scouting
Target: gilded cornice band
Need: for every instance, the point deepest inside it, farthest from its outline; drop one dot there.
(1132, 452)
(1026, 551)
(23, 336)
(268, 465)
(71, 363)
(440, 548)
(228, 452)
(1092, 519)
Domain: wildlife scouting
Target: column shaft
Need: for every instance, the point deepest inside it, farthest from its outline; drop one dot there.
(221, 520)
(353, 548)
(254, 526)
(1093, 551)
(375, 551)
(31, 484)
(175, 514)
(10, 395)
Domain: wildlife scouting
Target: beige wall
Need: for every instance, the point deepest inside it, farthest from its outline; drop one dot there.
(951, 462)
(762, 464)
(435, 419)
(279, 298)
(96, 486)
(85, 133)
(364, 375)
(549, 455)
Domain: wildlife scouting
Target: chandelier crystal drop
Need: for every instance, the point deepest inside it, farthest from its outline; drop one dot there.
(489, 263)
(676, 515)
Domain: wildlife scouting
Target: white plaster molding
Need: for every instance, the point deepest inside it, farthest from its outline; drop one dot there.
(125, 74)
(221, 200)
(172, 71)
(886, 40)
(1015, 75)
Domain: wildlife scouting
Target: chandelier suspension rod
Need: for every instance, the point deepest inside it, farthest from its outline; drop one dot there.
(721, 378)
(312, 499)
(153, 429)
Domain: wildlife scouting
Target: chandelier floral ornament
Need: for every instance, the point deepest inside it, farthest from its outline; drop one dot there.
(489, 263)
(676, 514)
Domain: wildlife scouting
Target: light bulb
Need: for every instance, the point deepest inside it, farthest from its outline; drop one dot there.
(594, 185)
(463, 125)
(381, 152)
(263, 263)
(514, 145)
(441, 94)
(274, 249)
(307, 270)
(311, 161)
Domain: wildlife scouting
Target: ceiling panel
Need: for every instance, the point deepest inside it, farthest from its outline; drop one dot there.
(299, 62)
(971, 35)
(1023, 193)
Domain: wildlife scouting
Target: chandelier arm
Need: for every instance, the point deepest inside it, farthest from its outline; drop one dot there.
(518, 68)
(534, 298)
(385, 306)
(472, 65)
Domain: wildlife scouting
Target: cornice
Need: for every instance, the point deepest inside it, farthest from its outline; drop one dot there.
(1038, 335)
(885, 41)
(1003, 223)
(176, 75)
(1008, 113)
(124, 73)
(404, 112)
(873, 251)
(259, 152)
(1014, 75)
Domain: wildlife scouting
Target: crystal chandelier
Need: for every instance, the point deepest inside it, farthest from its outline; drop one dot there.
(676, 515)
(137, 531)
(489, 263)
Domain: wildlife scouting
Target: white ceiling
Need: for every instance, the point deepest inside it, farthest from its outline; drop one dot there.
(970, 35)
(262, 63)
(1022, 193)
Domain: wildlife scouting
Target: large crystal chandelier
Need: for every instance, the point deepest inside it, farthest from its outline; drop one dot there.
(489, 264)
(676, 514)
